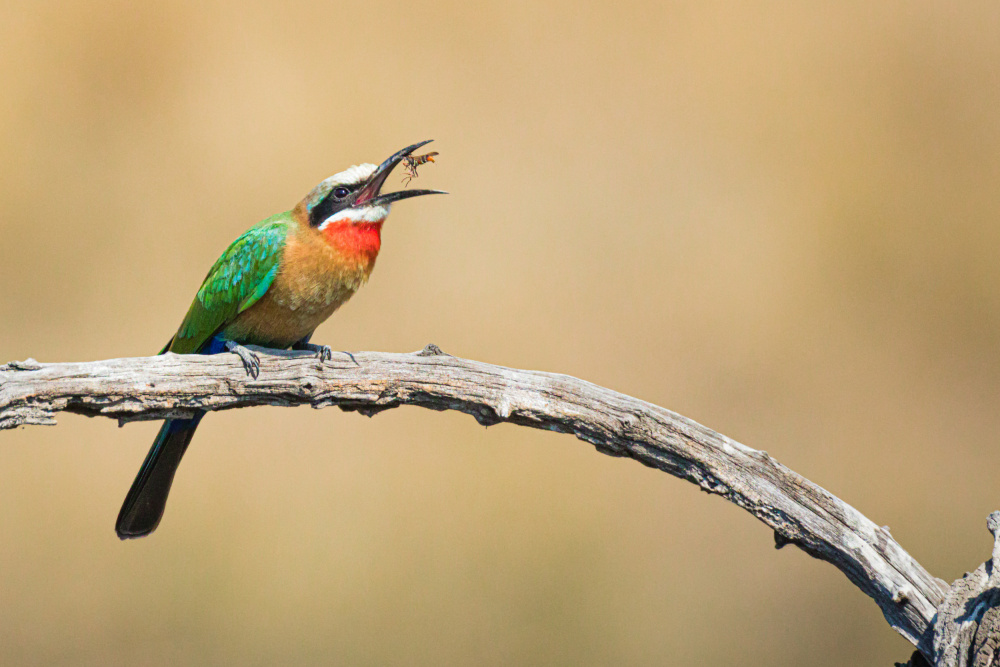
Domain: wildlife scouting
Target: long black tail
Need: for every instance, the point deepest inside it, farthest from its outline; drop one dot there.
(144, 504)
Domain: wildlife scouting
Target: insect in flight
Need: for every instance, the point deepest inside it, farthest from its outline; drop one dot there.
(411, 162)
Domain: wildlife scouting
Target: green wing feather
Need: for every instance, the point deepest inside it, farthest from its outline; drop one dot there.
(239, 278)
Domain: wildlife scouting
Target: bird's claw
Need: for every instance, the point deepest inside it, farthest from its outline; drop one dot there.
(251, 362)
(324, 352)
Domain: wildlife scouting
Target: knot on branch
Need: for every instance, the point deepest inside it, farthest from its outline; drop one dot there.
(967, 628)
(26, 365)
(432, 350)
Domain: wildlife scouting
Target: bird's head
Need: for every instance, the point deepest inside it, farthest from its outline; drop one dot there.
(353, 197)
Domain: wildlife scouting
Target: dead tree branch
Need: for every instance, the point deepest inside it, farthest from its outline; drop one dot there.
(799, 512)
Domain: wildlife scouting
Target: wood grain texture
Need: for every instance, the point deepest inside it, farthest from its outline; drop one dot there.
(798, 511)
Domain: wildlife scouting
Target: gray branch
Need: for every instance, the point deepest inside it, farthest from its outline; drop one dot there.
(799, 512)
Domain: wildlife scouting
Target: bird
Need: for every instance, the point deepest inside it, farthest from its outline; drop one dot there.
(271, 288)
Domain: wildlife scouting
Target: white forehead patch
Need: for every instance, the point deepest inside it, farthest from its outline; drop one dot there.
(353, 175)
(350, 177)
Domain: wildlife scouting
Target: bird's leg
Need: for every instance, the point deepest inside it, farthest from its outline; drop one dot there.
(324, 352)
(251, 362)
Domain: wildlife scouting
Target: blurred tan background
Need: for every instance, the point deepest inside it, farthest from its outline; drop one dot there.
(779, 219)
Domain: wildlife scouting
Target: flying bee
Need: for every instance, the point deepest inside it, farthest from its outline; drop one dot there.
(411, 162)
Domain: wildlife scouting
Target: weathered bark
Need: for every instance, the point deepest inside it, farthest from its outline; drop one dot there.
(798, 511)
(967, 628)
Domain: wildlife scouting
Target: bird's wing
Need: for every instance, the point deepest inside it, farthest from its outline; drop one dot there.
(238, 279)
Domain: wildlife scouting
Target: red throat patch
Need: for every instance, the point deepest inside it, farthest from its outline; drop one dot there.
(357, 240)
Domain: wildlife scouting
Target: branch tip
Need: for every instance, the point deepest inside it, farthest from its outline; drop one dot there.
(993, 524)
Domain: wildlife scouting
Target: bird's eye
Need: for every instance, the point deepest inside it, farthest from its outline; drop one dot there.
(341, 192)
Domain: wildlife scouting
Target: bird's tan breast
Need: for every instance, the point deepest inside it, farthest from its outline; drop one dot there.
(313, 280)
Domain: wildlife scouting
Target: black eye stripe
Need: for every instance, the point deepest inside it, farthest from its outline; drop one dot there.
(325, 209)
(335, 200)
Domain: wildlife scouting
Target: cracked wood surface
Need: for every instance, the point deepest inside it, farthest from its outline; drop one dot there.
(798, 511)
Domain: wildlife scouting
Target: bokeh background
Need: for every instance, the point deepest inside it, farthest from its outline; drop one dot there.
(779, 219)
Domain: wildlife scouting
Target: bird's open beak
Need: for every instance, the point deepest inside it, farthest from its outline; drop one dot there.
(369, 194)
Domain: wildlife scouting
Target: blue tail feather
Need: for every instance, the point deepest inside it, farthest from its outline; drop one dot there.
(144, 504)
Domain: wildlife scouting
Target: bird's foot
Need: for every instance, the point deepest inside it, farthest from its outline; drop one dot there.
(324, 352)
(251, 362)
